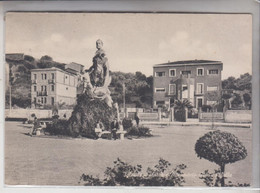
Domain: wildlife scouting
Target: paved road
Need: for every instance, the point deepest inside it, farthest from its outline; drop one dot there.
(50, 161)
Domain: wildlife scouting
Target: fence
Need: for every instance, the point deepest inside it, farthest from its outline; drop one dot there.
(230, 116)
(26, 113)
(211, 116)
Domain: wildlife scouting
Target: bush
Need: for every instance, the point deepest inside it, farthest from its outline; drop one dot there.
(214, 179)
(140, 131)
(206, 108)
(58, 127)
(124, 174)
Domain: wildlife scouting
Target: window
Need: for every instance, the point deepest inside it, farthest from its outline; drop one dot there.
(34, 100)
(184, 87)
(42, 99)
(52, 87)
(200, 88)
(159, 74)
(34, 76)
(172, 89)
(185, 72)
(52, 100)
(44, 76)
(212, 88)
(159, 89)
(52, 75)
(45, 100)
(172, 72)
(35, 88)
(200, 71)
(214, 71)
(43, 88)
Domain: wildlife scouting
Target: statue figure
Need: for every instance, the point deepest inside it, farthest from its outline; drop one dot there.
(96, 79)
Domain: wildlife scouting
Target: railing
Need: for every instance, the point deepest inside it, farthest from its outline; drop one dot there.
(51, 81)
(42, 93)
(34, 81)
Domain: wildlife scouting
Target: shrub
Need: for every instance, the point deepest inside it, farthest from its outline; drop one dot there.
(206, 108)
(221, 148)
(140, 131)
(58, 127)
(214, 179)
(124, 174)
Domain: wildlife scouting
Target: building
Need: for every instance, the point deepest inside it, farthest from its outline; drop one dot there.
(199, 81)
(53, 86)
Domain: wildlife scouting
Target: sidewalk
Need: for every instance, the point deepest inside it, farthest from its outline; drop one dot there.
(243, 125)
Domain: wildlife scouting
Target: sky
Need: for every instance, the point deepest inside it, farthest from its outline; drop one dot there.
(134, 41)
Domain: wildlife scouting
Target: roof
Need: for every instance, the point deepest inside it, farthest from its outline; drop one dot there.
(14, 56)
(50, 69)
(75, 66)
(188, 63)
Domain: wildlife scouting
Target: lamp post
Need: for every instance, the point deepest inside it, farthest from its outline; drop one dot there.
(124, 100)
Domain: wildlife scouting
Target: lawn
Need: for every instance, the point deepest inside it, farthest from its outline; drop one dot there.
(56, 161)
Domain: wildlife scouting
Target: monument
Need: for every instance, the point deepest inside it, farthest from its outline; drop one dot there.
(95, 103)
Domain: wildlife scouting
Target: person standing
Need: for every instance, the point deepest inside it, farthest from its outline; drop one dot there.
(36, 125)
(137, 119)
(114, 128)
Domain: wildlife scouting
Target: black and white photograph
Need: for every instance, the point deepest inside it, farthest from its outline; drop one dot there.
(128, 99)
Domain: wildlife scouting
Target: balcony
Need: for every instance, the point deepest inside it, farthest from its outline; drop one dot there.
(51, 81)
(34, 81)
(42, 93)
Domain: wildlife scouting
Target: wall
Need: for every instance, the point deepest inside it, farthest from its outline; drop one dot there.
(238, 116)
(26, 113)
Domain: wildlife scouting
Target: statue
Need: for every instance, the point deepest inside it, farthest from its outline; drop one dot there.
(96, 79)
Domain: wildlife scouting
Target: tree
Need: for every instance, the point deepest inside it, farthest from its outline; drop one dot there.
(221, 148)
(181, 105)
(180, 109)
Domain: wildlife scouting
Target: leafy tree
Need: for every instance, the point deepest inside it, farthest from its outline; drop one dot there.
(221, 148)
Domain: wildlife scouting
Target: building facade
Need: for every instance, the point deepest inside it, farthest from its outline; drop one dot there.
(198, 81)
(52, 86)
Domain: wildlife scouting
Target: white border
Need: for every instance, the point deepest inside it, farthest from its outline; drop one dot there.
(206, 6)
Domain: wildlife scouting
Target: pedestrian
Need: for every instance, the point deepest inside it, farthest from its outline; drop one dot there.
(99, 129)
(114, 128)
(137, 119)
(36, 125)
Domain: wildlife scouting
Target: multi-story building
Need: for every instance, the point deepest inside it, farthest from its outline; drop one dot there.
(199, 81)
(53, 86)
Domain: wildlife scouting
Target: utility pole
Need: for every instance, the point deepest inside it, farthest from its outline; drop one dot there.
(124, 100)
